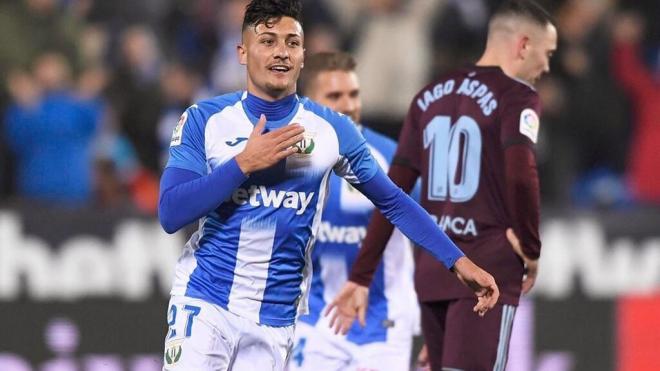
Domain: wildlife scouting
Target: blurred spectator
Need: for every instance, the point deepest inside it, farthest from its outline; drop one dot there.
(321, 38)
(118, 173)
(50, 131)
(394, 50)
(226, 73)
(191, 33)
(136, 100)
(134, 93)
(136, 84)
(590, 131)
(27, 28)
(556, 164)
(110, 192)
(643, 88)
(346, 15)
(180, 86)
(30, 27)
(119, 14)
(458, 32)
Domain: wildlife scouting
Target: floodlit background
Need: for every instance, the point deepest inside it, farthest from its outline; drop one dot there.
(90, 91)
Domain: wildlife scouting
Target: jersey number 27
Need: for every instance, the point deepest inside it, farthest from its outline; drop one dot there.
(454, 158)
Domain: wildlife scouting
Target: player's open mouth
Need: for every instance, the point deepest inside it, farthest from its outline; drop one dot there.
(280, 68)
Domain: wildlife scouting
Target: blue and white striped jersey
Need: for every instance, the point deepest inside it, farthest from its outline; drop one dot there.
(392, 299)
(252, 255)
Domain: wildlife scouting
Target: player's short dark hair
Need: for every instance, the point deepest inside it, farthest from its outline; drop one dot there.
(269, 12)
(527, 9)
(325, 61)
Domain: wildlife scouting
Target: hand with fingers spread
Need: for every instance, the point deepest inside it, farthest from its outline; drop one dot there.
(479, 281)
(264, 150)
(351, 302)
(531, 266)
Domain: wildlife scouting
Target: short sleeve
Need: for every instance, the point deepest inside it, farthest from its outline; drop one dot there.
(187, 144)
(409, 149)
(520, 118)
(356, 163)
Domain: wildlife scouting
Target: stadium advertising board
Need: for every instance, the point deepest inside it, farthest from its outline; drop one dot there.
(88, 291)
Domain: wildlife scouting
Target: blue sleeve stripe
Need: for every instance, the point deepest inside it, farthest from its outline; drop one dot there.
(410, 218)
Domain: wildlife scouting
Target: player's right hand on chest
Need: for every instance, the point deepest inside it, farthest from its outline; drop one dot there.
(264, 150)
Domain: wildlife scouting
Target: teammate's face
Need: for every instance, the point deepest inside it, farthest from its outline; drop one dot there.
(274, 56)
(536, 52)
(338, 90)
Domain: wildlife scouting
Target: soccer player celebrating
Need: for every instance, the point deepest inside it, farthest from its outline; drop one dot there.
(470, 135)
(253, 168)
(385, 342)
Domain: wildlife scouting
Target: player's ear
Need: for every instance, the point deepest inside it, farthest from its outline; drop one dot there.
(241, 50)
(522, 48)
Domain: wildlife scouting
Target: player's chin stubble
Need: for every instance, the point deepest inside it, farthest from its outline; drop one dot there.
(277, 88)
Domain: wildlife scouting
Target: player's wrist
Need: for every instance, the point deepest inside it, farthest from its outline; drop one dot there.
(460, 264)
(244, 163)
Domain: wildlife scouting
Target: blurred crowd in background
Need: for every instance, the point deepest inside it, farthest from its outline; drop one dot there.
(91, 89)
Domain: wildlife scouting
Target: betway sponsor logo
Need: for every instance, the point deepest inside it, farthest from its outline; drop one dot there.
(87, 266)
(456, 225)
(261, 196)
(576, 253)
(329, 233)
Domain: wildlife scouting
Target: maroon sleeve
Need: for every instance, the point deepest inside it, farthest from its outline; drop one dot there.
(523, 197)
(520, 116)
(520, 125)
(379, 231)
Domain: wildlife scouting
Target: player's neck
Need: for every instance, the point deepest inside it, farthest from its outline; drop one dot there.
(274, 110)
(492, 59)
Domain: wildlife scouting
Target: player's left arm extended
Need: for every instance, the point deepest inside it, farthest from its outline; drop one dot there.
(410, 218)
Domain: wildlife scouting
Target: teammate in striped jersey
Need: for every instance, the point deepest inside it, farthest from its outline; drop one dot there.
(392, 317)
(253, 168)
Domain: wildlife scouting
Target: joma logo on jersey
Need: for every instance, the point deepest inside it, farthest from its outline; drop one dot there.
(261, 196)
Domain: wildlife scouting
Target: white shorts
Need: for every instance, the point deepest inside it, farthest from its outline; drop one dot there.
(318, 349)
(203, 336)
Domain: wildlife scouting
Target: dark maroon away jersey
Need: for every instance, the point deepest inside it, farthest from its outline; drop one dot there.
(455, 136)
